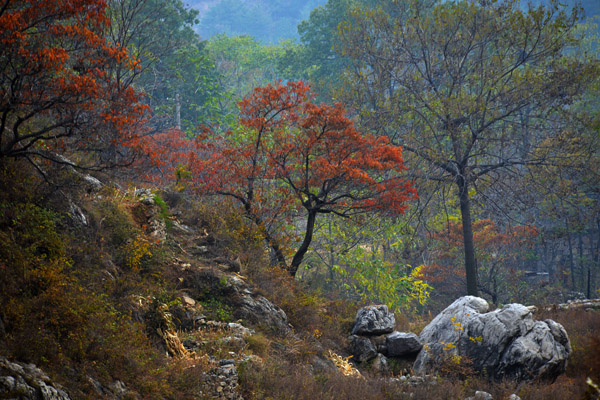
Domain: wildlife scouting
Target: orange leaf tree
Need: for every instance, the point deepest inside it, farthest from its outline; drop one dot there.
(58, 92)
(290, 155)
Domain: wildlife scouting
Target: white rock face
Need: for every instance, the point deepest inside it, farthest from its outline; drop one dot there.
(505, 343)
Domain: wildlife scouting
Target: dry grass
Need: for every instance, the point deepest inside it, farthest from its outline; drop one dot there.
(63, 312)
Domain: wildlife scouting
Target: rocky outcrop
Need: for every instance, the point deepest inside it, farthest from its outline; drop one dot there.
(373, 339)
(256, 309)
(27, 382)
(374, 320)
(505, 343)
(117, 390)
(234, 291)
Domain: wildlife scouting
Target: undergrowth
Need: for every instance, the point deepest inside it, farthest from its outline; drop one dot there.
(90, 301)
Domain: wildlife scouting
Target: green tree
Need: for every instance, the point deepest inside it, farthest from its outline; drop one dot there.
(365, 258)
(244, 63)
(465, 88)
(175, 71)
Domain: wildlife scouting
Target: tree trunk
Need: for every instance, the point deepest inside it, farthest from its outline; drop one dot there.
(581, 261)
(467, 228)
(273, 243)
(310, 227)
(177, 112)
(571, 259)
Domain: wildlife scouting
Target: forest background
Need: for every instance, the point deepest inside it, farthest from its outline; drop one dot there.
(404, 152)
(529, 243)
(492, 104)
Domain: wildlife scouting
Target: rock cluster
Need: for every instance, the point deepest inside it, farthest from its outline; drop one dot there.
(504, 343)
(27, 382)
(222, 382)
(245, 302)
(373, 338)
(480, 395)
(585, 304)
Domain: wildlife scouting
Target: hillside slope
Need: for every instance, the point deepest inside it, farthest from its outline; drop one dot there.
(156, 294)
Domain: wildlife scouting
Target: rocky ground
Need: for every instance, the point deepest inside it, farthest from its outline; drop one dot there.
(219, 323)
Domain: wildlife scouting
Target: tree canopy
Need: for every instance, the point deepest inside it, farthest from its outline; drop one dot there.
(59, 92)
(467, 88)
(290, 154)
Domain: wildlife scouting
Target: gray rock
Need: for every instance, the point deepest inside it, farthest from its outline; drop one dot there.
(246, 304)
(77, 214)
(182, 228)
(505, 343)
(374, 320)
(381, 365)
(380, 344)
(480, 395)
(27, 382)
(118, 388)
(322, 365)
(399, 344)
(362, 349)
(97, 386)
(260, 311)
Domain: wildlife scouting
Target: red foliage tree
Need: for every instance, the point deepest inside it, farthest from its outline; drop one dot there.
(58, 90)
(164, 155)
(290, 154)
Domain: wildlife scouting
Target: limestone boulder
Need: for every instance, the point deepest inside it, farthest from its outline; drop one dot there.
(374, 320)
(504, 343)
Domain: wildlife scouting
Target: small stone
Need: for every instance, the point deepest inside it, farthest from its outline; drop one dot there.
(199, 250)
(188, 301)
(480, 395)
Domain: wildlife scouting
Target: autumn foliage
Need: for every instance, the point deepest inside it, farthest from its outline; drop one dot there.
(59, 92)
(501, 252)
(290, 156)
